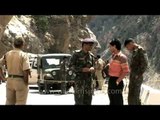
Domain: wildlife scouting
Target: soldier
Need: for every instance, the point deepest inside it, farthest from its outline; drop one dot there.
(2, 74)
(63, 69)
(82, 63)
(18, 67)
(138, 65)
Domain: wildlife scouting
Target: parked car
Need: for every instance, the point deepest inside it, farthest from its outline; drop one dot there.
(50, 75)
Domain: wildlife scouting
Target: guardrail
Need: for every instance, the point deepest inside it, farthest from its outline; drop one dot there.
(149, 95)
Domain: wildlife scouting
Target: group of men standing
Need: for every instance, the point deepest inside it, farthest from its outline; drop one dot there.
(83, 63)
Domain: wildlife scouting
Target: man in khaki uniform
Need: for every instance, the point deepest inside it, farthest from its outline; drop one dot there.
(18, 67)
(99, 67)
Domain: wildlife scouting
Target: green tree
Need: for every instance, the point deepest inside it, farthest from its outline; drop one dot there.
(42, 22)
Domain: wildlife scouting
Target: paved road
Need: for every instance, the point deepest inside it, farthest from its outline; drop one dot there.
(149, 96)
(34, 98)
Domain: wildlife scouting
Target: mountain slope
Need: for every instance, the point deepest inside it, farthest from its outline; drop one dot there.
(144, 28)
(47, 34)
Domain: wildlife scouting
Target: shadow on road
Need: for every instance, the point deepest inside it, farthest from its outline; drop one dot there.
(55, 92)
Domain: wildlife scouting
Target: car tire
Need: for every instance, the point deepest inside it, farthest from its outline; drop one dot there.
(47, 92)
(63, 88)
(40, 89)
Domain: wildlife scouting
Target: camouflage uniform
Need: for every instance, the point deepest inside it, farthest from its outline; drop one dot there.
(138, 65)
(83, 89)
(63, 69)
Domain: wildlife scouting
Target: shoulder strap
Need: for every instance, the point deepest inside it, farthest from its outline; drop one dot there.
(93, 58)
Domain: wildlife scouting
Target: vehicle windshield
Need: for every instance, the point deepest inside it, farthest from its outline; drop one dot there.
(52, 62)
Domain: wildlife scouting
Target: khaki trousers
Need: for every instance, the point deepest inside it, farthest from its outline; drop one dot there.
(100, 79)
(16, 91)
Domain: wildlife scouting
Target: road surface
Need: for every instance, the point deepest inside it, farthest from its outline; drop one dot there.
(34, 98)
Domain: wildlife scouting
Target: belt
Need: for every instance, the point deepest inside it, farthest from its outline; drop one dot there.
(15, 76)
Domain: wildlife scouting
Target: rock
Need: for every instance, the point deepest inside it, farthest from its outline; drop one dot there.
(62, 36)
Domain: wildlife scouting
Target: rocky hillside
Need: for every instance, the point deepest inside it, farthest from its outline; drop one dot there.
(47, 34)
(146, 30)
(4, 20)
(62, 34)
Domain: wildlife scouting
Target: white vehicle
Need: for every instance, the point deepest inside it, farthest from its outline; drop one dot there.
(34, 76)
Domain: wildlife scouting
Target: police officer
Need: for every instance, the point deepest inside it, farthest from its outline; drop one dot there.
(138, 65)
(82, 63)
(18, 67)
(99, 67)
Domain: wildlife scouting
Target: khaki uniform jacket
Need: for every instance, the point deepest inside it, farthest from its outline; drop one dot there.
(16, 62)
